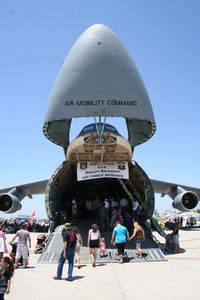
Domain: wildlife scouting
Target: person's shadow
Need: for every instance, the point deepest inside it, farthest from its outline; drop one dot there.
(77, 277)
(28, 267)
(170, 252)
(100, 265)
(81, 266)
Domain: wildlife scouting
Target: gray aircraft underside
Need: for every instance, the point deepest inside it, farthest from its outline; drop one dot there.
(99, 79)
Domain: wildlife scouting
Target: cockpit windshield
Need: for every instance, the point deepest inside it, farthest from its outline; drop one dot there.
(91, 128)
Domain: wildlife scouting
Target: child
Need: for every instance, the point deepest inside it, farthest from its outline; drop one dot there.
(102, 247)
(5, 278)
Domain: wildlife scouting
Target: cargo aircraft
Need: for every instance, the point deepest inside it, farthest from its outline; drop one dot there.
(98, 79)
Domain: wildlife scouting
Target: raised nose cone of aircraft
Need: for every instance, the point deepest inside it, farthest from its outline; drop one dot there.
(99, 78)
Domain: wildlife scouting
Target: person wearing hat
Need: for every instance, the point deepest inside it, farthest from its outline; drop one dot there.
(66, 227)
(68, 252)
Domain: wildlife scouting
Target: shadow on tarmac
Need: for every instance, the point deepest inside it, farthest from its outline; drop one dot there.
(81, 266)
(168, 252)
(100, 265)
(28, 267)
(77, 277)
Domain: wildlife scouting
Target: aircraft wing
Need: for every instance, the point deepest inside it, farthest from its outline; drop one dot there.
(164, 187)
(29, 189)
(38, 187)
(184, 197)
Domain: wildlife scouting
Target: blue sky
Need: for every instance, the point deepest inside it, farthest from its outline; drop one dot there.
(162, 37)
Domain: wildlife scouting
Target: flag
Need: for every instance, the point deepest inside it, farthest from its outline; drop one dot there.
(32, 215)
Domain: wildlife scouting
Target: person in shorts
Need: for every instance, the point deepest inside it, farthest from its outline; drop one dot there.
(119, 237)
(138, 233)
(94, 240)
(22, 245)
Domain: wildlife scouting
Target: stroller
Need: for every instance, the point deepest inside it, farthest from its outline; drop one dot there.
(13, 253)
(40, 243)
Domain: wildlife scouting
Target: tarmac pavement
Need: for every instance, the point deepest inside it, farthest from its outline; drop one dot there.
(178, 278)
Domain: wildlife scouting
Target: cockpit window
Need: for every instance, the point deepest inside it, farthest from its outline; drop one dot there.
(88, 128)
(110, 128)
(92, 128)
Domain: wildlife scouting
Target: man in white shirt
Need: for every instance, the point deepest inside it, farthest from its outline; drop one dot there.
(106, 203)
(22, 248)
(113, 205)
(123, 205)
(135, 209)
(74, 209)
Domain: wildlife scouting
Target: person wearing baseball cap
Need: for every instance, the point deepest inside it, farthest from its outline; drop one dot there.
(68, 252)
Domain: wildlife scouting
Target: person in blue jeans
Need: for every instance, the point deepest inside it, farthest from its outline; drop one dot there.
(68, 252)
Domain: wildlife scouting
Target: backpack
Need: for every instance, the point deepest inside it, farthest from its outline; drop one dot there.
(71, 239)
(117, 218)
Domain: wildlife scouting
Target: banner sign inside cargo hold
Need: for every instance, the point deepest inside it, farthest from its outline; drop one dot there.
(95, 170)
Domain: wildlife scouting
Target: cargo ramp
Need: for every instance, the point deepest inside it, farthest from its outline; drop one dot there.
(151, 251)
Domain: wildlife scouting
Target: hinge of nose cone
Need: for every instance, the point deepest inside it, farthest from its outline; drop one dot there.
(100, 128)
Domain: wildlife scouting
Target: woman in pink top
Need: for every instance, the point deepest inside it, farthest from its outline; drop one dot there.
(3, 247)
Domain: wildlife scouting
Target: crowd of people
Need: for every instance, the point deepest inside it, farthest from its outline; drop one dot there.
(187, 221)
(119, 216)
(32, 225)
(72, 241)
(20, 244)
(105, 212)
(9, 261)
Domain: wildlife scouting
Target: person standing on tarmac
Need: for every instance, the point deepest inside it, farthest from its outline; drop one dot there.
(175, 236)
(79, 244)
(3, 246)
(68, 252)
(22, 247)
